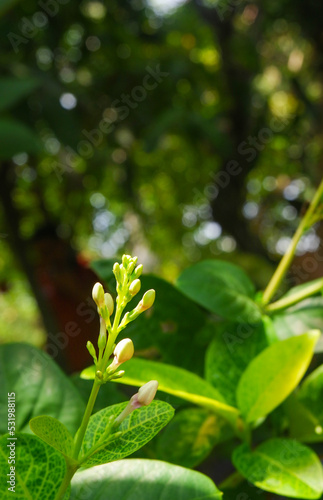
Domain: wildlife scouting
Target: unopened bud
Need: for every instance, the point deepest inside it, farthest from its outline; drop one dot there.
(138, 271)
(124, 351)
(99, 374)
(134, 287)
(90, 348)
(125, 260)
(143, 397)
(98, 294)
(147, 393)
(116, 271)
(148, 299)
(132, 264)
(118, 374)
(108, 300)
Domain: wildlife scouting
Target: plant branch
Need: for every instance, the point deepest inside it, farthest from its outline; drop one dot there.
(285, 262)
(86, 418)
(296, 297)
(70, 471)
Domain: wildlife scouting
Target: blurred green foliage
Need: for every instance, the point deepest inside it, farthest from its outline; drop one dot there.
(116, 119)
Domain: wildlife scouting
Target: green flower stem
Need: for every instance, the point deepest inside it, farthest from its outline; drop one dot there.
(70, 471)
(86, 418)
(286, 261)
(295, 298)
(113, 335)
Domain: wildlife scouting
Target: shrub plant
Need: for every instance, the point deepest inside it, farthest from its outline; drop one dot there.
(249, 397)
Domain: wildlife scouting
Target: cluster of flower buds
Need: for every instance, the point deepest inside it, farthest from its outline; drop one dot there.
(128, 285)
(146, 302)
(143, 397)
(127, 274)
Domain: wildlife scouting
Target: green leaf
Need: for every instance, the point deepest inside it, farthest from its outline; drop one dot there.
(162, 332)
(144, 480)
(311, 393)
(17, 138)
(40, 388)
(222, 288)
(39, 469)
(274, 374)
(300, 318)
(14, 89)
(53, 432)
(282, 466)
(305, 409)
(137, 430)
(303, 425)
(230, 353)
(190, 436)
(175, 381)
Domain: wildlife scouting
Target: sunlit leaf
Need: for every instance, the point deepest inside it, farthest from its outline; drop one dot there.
(144, 480)
(274, 374)
(282, 466)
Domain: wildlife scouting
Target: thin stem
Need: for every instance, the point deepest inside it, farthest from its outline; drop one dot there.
(296, 297)
(70, 471)
(86, 418)
(289, 255)
(112, 336)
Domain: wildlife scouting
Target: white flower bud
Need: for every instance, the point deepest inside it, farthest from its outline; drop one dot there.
(123, 351)
(147, 393)
(98, 294)
(108, 300)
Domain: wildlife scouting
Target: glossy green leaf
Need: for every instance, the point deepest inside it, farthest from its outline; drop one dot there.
(39, 469)
(311, 393)
(17, 138)
(222, 288)
(190, 436)
(282, 466)
(144, 480)
(53, 432)
(230, 353)
(137, 430)
(274, 374)
(305, 409)
(163, 331)
(175, 381)
(14, 89)
(302, 424)
(41, 388)
(300, 318)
